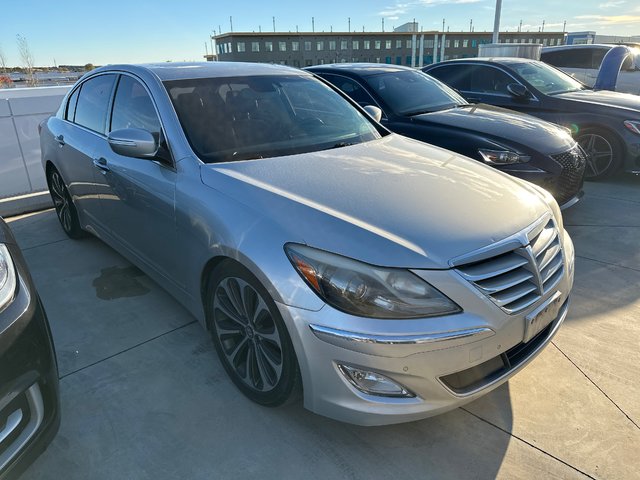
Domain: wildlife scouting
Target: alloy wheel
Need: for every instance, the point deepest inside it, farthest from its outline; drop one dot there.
(599, 153)
(248, 334)
(61, 201)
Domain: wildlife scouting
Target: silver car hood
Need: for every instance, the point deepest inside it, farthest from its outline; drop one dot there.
(389, 202)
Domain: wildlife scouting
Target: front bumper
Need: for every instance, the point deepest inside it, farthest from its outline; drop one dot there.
(29, 402)
(422, 355)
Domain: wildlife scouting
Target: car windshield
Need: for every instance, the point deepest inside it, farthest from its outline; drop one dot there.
(546, 79)
(241, 118)
(409, 92)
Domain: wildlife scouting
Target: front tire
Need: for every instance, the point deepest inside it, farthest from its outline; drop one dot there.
(250, 336)
(603, 152)
(65, 209)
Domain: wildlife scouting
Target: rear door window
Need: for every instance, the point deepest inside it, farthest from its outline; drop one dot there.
(93, 103)
(456, 76)
(70, 111)
(351, 88)
(491, 80)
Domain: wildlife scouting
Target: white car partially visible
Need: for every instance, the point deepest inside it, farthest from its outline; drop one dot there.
(584, 61)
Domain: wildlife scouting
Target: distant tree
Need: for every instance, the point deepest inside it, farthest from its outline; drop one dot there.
(27, 59)
(88, 67)
(3, 61)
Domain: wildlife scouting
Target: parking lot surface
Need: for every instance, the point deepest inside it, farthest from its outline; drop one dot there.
(145, 397)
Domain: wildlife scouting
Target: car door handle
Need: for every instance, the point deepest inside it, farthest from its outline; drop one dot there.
(101, 164)
(60, 140)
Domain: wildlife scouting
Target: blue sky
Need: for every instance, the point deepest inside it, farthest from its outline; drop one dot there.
(79, 32)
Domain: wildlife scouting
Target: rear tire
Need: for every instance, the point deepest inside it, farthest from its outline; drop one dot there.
(603, 152)
(250, 336)
(65, 209)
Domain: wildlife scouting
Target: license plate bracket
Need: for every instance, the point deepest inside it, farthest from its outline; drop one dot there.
(542, 316)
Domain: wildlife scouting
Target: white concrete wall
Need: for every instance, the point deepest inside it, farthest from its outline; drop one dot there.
(21, 174)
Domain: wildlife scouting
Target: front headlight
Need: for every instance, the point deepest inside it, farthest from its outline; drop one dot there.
(633, 126)
(502, 157)
(7, 278)
(365, 290)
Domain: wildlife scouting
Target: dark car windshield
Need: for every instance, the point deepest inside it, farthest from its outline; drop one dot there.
(546, 79)
(241, 118)
(409, 92)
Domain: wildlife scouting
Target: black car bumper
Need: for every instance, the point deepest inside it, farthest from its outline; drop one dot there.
(29, 399)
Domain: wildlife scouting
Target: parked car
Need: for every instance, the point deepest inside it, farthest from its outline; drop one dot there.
(421, 107)
(583, 63)
(606, 124)
(29, 405)
(389, 279)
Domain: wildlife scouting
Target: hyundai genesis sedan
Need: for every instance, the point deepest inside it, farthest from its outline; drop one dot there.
(421, 107)
(383, 279)
(29, 404)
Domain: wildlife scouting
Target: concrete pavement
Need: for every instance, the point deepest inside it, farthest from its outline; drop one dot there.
(144, 396)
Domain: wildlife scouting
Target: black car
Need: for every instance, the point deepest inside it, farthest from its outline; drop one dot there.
(421, 107)
(29, 404)
(606, 124)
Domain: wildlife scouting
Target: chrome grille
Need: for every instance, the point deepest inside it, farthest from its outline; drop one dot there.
(516, 278)
(571, 178)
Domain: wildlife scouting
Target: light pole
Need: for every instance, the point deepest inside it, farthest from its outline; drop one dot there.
(496, 22)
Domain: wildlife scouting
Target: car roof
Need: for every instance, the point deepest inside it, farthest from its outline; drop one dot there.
(498, 60)
(190, 70)
(578, 47)
(362, 69)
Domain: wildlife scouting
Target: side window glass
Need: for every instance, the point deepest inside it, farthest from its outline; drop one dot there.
(93, 103)
(352, 88)
(70, 112)
(597, 57)
(490, 80)
(133, 108)
(455, 76)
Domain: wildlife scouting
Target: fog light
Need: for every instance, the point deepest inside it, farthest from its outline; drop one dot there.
(373, 383)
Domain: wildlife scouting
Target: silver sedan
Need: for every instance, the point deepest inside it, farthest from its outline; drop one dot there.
(383, 279)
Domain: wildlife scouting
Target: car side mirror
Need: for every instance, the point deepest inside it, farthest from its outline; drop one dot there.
(374, 112)
(518, 90)
(133, 142)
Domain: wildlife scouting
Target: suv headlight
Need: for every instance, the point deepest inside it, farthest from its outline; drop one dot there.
(633, 126)
(7, 278)
(365, 290)
(502, 157)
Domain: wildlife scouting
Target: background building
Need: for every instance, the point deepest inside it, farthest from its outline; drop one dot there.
(401, 48)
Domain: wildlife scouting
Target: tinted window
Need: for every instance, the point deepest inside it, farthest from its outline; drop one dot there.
(93, 102)
(409, 92)
(351, 88)
(456, 76)
(133, 108)
(597, 57)
(569, 58)
(241, 118)
(70, 113)
(487, 79)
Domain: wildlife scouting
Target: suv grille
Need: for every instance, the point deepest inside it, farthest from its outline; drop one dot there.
(571, 178)
(517, 278)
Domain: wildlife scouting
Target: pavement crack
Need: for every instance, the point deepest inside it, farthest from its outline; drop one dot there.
(596, 385)
(608, 263)
(44, 244)
(127, 349)
(511, 434)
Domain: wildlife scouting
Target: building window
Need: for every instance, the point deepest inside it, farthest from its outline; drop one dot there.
(387, 45)
(387, 60)
(474, 43)
(319, 45)
(240, 47)
(398, 43)
(409, 44)
(229, 47)
(307, 47)
(465, 43)
(343, 60)
(332, 45)
(355, 45)
(268, 46)
(377, 59)
(544, 42)
(531, 40)
(308, 63)
(456, 43)
(447, 43)
(377, 44)
(409, 60)
(537, 40)
(428, 44)
(255, 46)
(282, 46)
(367, 44)
(398, 60)
(295, 46)
(343, 44)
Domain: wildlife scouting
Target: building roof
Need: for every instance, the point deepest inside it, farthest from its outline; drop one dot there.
(369, 34)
